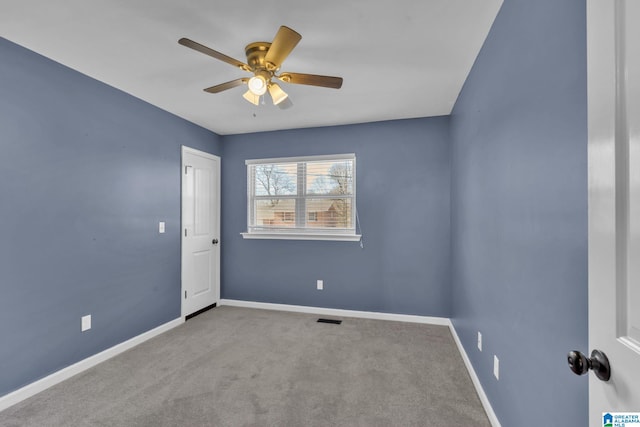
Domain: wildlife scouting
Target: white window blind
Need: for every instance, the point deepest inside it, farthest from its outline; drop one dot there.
(302, 198)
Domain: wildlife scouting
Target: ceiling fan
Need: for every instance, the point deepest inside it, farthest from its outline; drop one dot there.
(264, 60)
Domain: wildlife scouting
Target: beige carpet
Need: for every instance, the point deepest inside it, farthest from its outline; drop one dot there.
(245, 367)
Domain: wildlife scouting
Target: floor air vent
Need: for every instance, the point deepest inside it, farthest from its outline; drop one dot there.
(332, 321)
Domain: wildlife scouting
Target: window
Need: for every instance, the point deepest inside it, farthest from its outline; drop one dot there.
(302, 198)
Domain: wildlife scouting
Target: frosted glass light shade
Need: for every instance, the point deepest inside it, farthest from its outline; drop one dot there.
(257, 85)
(251, 97)
(277, 94)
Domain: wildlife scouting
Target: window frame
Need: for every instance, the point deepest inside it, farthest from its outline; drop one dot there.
(304, 233)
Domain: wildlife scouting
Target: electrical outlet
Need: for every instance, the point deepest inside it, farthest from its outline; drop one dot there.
(85, 323)
(320, 285)
(496, 367)
(161, 227)
(479, 341)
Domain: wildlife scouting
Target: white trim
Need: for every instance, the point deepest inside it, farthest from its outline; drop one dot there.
(337, 312)
(303, 236)
(474, 378)
(301, 159)
(185, 149)
(36, 387)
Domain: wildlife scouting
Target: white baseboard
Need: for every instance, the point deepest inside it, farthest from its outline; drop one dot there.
(476, 381)
(36, 387)
(338, 312)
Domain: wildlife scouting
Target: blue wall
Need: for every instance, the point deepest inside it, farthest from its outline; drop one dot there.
(403, 204)
(519, 211)
(86, 174)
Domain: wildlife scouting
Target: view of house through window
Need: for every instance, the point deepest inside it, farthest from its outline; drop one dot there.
(313, 195)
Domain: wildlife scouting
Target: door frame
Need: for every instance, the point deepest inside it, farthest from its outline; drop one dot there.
(601, 108)
(184, 150)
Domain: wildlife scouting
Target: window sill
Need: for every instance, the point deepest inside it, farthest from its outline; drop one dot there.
(303, 236)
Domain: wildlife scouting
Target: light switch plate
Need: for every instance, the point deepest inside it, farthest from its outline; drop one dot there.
(320, 285)
(496, 367)
(86, 323)
(161, 227)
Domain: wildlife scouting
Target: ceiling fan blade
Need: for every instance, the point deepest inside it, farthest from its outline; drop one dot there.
(228, 85)
(312, 80)
(281, 46)
(208, 51)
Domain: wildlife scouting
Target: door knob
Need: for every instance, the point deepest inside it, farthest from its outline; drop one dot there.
(598, 363)
(214, 241)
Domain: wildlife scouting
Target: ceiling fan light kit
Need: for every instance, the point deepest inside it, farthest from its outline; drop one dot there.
(264, 61)
(252, 97)
(257, 84)
(277, 94)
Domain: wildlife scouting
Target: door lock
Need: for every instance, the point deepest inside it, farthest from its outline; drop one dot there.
(598, 363)
(214, 241)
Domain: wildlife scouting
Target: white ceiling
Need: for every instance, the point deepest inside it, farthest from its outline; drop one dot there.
(399, 59)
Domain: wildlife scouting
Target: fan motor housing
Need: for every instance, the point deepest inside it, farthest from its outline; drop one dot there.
(255, 55)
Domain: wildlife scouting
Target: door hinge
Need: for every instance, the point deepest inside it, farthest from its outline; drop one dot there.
(185, 232)
(186, 167)
(185, 294)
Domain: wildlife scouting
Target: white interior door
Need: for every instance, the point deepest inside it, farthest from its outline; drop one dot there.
(200, 230)
(614, 202)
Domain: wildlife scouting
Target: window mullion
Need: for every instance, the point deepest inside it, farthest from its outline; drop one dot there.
(301, 221)
(281, 197)
(251, 200)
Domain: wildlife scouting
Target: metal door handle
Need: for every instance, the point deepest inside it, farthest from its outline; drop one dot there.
(598, 363)
(214, 241)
